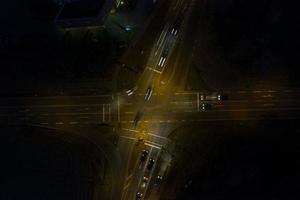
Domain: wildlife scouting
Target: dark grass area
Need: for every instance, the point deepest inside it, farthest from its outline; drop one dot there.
(43, 10)
(42, 163)
(237, 160)
(81, 9)
(37, 57)
(43, 62)
(252, 43)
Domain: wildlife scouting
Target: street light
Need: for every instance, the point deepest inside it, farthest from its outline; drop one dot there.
(128, 28)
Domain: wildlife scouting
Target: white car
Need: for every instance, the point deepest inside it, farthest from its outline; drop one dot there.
(162, 61)
(174, 31)
(130, 91)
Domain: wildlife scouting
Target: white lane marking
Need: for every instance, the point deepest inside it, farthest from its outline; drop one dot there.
(198, 102)
(240, 119)
(257, 109)
(128, 113)
(74, 113)
(103, 112)
(154, 143)
(131, 130)
(129, 177)
(146, 121)
(267, 96)
(152, 69)
(57, 105)
(119, 110)
(151, 145)
(161, 38)
(90, 122)
(126, 186)
(182, 102)
(158, 136)
(185, 93)
(59, 123)
(129, 138)
(163, 62)
(83, 109)
(73, 122)
(269, 104)
(84, 117)
(25, 110)
(24, 118)
(44, 123)
(109, 113)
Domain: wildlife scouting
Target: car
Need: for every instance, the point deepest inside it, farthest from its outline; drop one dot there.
(139, 195)
(131, 90)
(206, 106)
(144, 155)
(162, 60)
(137, 119)
(221, 97)
(202, 97)
(205, 97)
(148, 93)
(158, 180)
(150, 163)
(174, 31)
(144, 182)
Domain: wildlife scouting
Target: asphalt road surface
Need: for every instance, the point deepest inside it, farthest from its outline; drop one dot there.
(159, 118)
